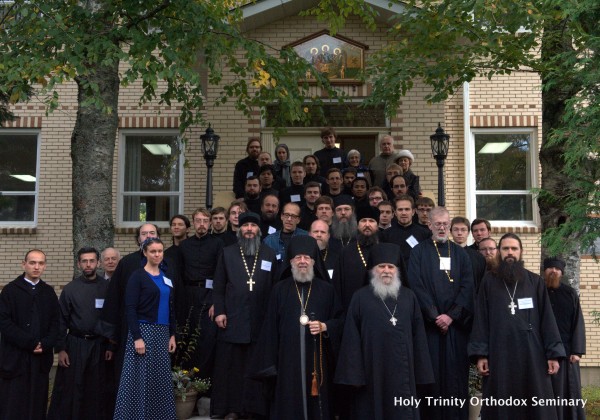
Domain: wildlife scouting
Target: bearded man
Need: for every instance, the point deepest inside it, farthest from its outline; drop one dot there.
(515, 340)
(440, 275)
(344, 224)
(569, 319)
(383, 335)
(300, 334)
(489, 249)
(242, 284)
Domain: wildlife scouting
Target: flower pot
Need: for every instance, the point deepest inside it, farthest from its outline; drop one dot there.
(184, 409)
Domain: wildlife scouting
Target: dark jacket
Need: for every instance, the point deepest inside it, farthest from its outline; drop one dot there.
(27, 318)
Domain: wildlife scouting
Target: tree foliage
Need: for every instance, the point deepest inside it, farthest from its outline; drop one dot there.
(445, 43)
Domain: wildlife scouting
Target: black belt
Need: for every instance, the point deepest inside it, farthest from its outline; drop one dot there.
(81, 334)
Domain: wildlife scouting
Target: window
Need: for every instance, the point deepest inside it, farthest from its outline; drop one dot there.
(151, 177)
(504, 165)
(19, 172)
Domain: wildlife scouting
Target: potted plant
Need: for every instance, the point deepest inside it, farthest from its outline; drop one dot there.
(186, 387)
(475, 384)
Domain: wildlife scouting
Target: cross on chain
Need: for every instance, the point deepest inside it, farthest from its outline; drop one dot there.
(393, 320)
(250, 283)
(512, 307)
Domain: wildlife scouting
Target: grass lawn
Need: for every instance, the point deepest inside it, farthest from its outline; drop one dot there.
(592, 408)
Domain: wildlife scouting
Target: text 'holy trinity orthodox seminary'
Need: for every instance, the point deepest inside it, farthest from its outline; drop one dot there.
(489, 401)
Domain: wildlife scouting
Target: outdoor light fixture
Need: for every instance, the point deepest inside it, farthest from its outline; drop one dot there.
(210, 147)
(439, 148)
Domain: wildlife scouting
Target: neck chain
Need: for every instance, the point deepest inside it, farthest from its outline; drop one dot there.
(362, 257)
(303, 317)
(347, 242)
(393, 319)
(440, 257)
(325, 254)
(250, 274)
(511, 305)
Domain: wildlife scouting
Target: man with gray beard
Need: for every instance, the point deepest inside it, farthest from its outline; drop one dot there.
(243, 280)
(300, 335)
(383, 335)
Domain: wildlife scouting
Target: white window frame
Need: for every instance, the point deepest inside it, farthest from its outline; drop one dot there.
(35, 193)
(121, 175)
(471, 190)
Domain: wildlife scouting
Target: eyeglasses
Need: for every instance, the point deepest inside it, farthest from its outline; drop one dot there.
(487, 249)
(441, 225)
(290, 216)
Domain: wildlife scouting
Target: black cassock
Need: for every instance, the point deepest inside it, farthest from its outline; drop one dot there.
(517, 346)
(385, 361)
(438, 295)
(245, 310)
(28, 316)
(569, 318)
(285, 353)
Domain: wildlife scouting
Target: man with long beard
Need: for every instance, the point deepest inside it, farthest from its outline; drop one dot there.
(440, 275)
(489, 249)
(300, 334)
(243, 279)
(383, 335)
(569, 319)
(515, 340)
(344, 224)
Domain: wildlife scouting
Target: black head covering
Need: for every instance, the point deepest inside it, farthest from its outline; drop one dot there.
(387, 253)
(367, 212)
(248, 217)
(266, 168)
(304, 245)
(342, 199)
(556, 263)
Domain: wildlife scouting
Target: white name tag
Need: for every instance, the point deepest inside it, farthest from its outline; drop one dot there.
(330, 273)
(168, 281)
(337, 160)
(99, 303)
(249, 174)
(295, 198)
(278, 256)
(412, 241)
(208, 284)
(525, 303)
(272, 230)
(445, 263)
(360, 175)
(265, 265)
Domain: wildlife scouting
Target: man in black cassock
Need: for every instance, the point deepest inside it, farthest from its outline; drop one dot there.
(515, 340)
(242, 285)
(384, 350)
(300, 337)
(440, 275)
(82, 352)
(199, 256)
(29, 315)
(569, 319)
(329, 254)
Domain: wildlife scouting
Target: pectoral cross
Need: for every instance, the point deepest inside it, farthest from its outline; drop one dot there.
(393, 320)
(512, 306)
(250, 282)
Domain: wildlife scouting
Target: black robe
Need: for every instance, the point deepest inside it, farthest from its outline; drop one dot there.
(245, 311)
(383, 360)
(326, 159)
(401, 235)
(350, 273)
(569, 319)
(28, 316)
(279, 353)
(517, 346)
(199, 258)
(78, 391)
(244, 168)
(438, 295)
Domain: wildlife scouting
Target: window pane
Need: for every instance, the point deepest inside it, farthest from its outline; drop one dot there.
(18, 162)
(505, 207)
(502, 161)
(17, 208)
(152, 163)
(149, 208)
